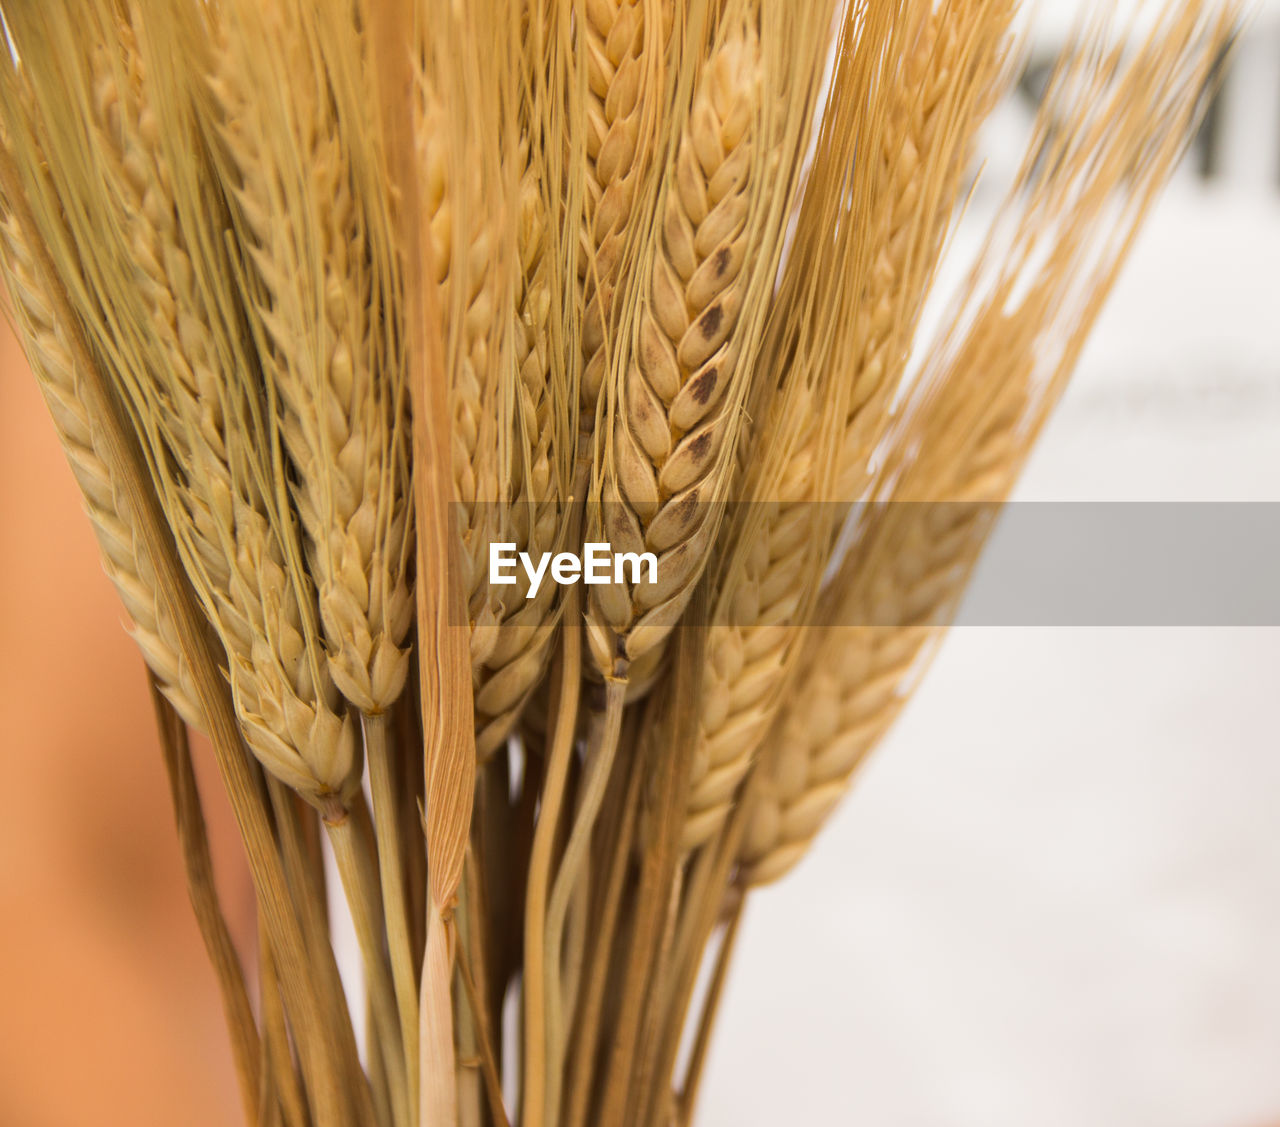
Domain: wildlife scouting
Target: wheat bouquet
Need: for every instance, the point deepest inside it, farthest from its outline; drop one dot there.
(366, 324)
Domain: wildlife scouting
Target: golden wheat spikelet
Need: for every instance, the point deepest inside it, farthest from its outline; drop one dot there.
(770, 578)
(220, 517)
(315, 229)
(544, 444)
(674, 411)
(622, 46)
(1013, 342)
(955, 65)
(462, 191)
(122, 556)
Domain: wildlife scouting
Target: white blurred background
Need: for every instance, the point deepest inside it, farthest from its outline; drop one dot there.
(1054, 895)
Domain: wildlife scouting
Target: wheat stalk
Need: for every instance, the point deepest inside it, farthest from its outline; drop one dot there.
(325, 299)
(81, 267)
(320, 245)
(690, 331)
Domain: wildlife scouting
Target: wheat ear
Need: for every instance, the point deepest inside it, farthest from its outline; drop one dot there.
(543, 442)
(210, 480)
(854, 690)
(955, 66)
(922, 119)
(318, 240)
(114, 250)
(47, 353)
(462, 198)
(304, 182)
(624, 79)
(675, 409)
(695, 312)
(1088, 183)
(209, 483)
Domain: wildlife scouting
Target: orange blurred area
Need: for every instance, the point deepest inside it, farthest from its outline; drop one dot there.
(110, 1013)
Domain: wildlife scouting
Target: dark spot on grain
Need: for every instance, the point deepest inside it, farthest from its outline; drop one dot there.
(722, 261)
(704, 385)
(700, 445)
(709, 322)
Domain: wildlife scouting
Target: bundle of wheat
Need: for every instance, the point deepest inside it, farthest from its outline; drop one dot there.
(334, 304)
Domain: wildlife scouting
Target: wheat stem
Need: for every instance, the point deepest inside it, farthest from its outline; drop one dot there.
(671, 742)
(303, 867)
(281, 1094)
(488, 1060)
(586, 1050)
(198, 864)
(359, 883)
(537, 951)
(600, 757)
(444, 682)
(391, 875)
(706, 1018)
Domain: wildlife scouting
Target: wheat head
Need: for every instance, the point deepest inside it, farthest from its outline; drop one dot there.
(623, 83)
(543, 448)
(1108, 135)
(316, 235)
(668, 435)
(462, 198)
(208, 472)
(122, 556)
(922, 121)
